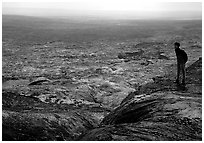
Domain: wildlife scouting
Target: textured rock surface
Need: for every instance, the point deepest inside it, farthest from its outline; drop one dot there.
(27, 118)
(86, 95)
(158, 111)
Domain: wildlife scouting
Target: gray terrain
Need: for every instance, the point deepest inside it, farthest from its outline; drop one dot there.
(98, 79)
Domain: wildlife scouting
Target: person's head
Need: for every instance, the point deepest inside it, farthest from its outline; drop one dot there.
(176, 45)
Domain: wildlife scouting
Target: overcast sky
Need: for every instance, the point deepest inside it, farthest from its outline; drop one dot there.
(107, 8)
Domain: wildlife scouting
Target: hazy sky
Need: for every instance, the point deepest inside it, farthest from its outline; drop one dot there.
(107, 8)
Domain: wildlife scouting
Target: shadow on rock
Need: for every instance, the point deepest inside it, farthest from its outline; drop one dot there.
(157, 111)
(28, 119)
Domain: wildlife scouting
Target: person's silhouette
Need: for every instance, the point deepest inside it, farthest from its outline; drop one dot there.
(182, 58)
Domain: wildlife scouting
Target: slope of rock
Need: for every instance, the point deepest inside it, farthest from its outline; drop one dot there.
(27, 118)
(157, 111)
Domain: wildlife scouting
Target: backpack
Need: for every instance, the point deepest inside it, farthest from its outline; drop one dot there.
(185, 56)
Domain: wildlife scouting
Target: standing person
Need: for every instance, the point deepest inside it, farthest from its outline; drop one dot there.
(182, 58)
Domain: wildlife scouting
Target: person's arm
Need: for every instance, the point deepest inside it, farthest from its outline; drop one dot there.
(178, 71)
(178, 66)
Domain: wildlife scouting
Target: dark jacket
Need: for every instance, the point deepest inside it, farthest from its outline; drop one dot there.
(181, 56)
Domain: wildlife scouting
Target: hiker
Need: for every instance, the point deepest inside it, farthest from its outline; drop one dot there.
(182, 58)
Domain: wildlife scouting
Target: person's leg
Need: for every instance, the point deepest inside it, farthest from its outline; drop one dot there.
(184, 74)
(178, 72)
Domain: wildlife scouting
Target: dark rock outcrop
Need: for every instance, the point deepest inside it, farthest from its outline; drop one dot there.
(39, 80)
(127, 55)
(161, 56)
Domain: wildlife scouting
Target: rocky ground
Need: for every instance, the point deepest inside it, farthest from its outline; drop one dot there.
(158, 111)
(100, 91)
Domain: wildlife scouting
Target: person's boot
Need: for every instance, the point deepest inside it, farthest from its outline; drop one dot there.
(183, 82)
(177, 81)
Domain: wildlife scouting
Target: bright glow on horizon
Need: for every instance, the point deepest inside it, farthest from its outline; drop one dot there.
(126, 6)
(104, 7)
(90, 5)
